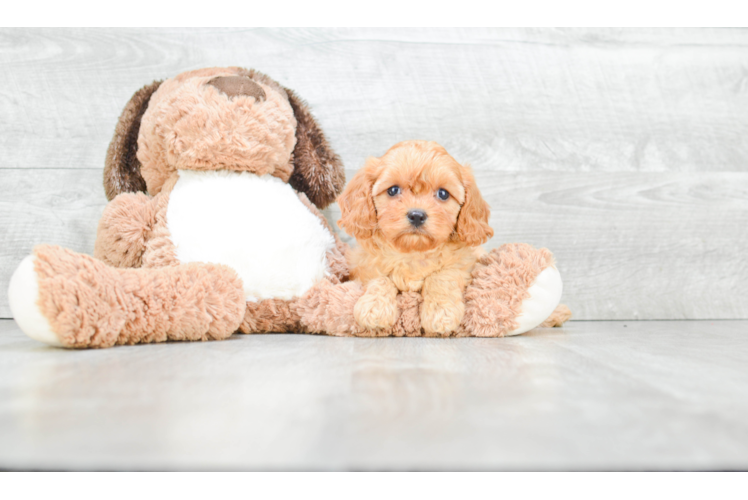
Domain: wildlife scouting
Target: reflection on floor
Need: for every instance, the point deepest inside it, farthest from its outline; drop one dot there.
(591, 395)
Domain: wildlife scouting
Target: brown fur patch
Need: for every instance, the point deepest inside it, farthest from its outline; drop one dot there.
(271, 316)
(328, 308)
(159, 249)
(233, 86)
(260, 78)
(122, 167)
(500, 282)
(433, 254)
(90, 304)
(338, 262)
(409, 322)
(492, 299)
(304, 157)
(124, 229)
(318, 170)
(192, 125)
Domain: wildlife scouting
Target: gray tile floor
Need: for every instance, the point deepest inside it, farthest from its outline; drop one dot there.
(591, 395)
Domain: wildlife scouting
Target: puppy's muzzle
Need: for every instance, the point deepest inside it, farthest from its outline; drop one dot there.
(417, 217)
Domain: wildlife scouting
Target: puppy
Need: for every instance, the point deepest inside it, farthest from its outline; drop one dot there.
(418, 217)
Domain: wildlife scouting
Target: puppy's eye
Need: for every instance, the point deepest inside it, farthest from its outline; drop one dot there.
(393, 191)
(442, 194)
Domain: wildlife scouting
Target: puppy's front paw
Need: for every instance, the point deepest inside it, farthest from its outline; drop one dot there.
(375, 311)
(441, 317)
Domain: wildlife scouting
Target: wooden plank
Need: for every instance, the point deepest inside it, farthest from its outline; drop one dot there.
(521, 100)
(633, 246)
(654, 245)
(55, 206)
(591, 396)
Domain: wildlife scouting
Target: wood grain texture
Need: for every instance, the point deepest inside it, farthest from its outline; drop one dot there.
(623, 151)
(559, 100)
(589, 396)
(55, 206)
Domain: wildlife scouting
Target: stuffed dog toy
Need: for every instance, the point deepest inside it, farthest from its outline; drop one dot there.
(215, 180)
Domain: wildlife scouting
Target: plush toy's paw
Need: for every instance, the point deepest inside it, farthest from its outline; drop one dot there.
(441, 317)
(373, 311)
(23, 295)
(545, 294)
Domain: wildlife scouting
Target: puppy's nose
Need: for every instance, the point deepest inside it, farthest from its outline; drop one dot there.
(417, 217)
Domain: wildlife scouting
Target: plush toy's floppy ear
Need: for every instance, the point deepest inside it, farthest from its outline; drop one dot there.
(122, 168)
(318, 171)
(472, 223)
(358, 215)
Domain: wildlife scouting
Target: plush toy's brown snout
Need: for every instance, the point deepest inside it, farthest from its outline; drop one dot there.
(238, 85)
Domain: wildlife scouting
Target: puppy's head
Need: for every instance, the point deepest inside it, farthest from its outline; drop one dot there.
(417, 197)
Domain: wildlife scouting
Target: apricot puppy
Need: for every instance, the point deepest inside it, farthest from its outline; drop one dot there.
(418, 217)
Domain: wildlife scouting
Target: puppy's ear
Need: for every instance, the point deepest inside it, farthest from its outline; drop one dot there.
(358, 215)
(318, 171)
(122, 168)
(472, 222)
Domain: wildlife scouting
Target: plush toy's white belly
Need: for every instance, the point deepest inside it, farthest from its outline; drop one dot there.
(256, 225)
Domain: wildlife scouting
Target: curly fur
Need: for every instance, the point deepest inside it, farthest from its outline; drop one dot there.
(90, 304)
(498, 284)
(394, 255)
(404, 281)
(159, 249)
(193, 125)
(140, 292)
(210, 119)
(312, 167)
(124, 229)
(271, 315)
(134, 231)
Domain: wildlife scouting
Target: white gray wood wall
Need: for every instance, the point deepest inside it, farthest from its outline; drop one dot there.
(623, 151)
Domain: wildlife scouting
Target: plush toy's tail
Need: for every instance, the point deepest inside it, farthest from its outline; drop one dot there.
(73, 300)
(560, 315)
